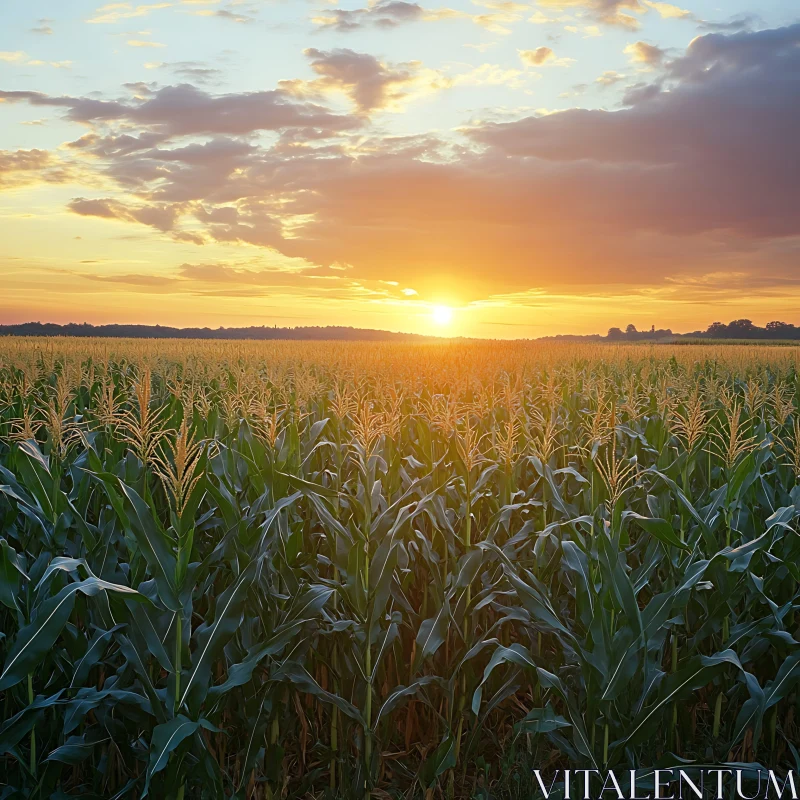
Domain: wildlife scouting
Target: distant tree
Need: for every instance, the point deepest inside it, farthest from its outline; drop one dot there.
(631, 330)
(781, 330)
(717, 329)
(742, 329)
(615, 333)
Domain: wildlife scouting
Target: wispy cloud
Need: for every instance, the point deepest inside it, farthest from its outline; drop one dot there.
(115, 12)
(619, 13)
(668, 11)
(13, 56)
(22, 58)
(43, 27)
(610, 78)
(143, 43)
(645, 53)
(543, 56)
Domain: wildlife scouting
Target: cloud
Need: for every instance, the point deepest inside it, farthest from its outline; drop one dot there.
(489, 75)
(144, 281)
(242, 16)
(609, 78)
(43, 27)
(737, 24)
(369, 83)
(114, 12)
(27, 167)
(669, 11)
(481, 47)
(701, 172)
(232, 274)
(383, 14)
(543, 56)
(537, 57)
(644, 53)
(54, 64)
(697, 175)
(143, 43)
(184, 110)
(577, 90)
(190, 71)
(388, 14)
(608, 12)
(714, 146)
(20, 57)
(161, 216)
(252, 278)
(754, 56)
(22, 161)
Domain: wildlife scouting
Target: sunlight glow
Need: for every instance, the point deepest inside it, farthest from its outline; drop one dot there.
(442, 315)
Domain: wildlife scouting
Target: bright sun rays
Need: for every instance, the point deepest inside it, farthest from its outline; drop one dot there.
(442, 315)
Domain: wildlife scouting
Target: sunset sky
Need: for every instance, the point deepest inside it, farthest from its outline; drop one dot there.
(497, 168)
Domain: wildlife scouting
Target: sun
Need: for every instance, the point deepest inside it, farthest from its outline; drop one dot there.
(442, 315)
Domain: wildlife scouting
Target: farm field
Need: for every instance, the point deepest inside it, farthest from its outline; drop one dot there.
(263, 570)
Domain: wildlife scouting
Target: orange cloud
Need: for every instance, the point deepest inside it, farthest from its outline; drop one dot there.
(644, 53)
(370, 83)
(609, 12)
(694, 176)
(27, 167)
(537, 57)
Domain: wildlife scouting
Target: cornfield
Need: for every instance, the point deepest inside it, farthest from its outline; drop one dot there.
(263, 570)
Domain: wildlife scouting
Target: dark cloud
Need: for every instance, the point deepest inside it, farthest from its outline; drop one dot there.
(697, 176)
(184, 109)
(608, 12)
(714, 148)
(383, 14)
(370, 83)
(756, 56)
(161, 216)
(192, 71)
(107, 209)
(711, 153)
(193, 172)
(116, 145)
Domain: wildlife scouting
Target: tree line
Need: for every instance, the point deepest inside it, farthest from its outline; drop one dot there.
(262, 332)
(737, 329)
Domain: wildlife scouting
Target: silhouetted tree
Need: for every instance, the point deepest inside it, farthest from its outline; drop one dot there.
(717, 329)
(782, 330)
(742, 329)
